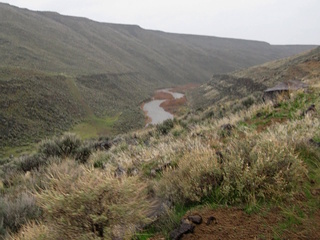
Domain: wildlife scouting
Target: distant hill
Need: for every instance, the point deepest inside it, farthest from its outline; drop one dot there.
(57, 72)
(253, 81)
(48, 41)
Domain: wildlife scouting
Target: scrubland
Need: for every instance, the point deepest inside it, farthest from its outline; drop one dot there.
(140, 184)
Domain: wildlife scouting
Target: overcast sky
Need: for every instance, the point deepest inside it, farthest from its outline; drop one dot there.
(273, 21)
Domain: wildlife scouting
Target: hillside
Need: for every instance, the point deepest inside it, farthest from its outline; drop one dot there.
(51, 42)
(61, 73)
(253, 81)
(222, 173)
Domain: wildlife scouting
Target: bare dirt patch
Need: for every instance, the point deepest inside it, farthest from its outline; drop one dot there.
(162, 96)
(233, 223)
(173, 105)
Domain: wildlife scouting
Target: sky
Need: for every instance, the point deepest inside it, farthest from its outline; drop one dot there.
(272, 21)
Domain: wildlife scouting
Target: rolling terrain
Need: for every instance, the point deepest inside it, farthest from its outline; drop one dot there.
(61, 73)
(233, 170)
(251, 82)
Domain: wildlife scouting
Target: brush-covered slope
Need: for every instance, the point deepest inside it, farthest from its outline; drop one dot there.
(252, 81)
(254, 174)
(34, 104)
(57, 71)
(52, 42)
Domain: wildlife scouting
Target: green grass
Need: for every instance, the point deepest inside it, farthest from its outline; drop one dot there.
(17, 151)
(94, 127)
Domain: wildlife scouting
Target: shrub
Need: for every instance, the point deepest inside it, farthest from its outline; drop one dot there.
(65, 146)
(195, 178)
(16, 212)
(100, 159)
(260, 168)
(248, 170)
(69, 144)
(49, 148)
(165, 127)
(83, 154)
(248, 102)
(93, 203)
(31, 162)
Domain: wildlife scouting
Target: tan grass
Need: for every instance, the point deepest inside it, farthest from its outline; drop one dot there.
(89, 202)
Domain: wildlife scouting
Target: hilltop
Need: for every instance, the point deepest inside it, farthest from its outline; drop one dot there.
(247, 170)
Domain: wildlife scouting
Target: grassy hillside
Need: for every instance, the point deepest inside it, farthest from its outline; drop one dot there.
(62, 73)
(255, 173)
(52, 42)
(34, 105)
(251, 82)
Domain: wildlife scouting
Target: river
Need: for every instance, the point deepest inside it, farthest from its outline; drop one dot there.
(155, 112)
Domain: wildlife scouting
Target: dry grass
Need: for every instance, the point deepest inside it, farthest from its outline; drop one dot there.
(83, 202)
(33, 231)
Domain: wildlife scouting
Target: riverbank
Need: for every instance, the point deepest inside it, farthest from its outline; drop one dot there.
(173, 99)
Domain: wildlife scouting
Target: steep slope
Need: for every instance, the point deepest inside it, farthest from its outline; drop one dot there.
(252, 81)
(52, 42)
(35, 104)
(57, 71)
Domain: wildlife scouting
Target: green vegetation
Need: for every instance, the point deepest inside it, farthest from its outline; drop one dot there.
(239, 152)
(58, 71)
(257, 166)
(93, 127)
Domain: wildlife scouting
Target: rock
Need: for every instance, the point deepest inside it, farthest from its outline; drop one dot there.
(119, 172)
(184, 228)
(310, 110)
(196, 219)
(211, 219)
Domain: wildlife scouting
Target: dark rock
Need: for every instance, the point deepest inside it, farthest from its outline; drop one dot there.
(184, 228)
(119, 172)
(197, 219)
(310, 110)
(211, 219)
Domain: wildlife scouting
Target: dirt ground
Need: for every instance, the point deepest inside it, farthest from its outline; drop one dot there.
(232, 223)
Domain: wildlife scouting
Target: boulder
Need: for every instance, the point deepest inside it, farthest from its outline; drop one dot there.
(119, 172)
(196, 219)
(184, 228)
